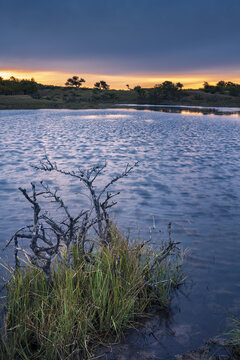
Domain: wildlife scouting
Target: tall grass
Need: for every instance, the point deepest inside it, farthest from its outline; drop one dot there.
(234, 341)
(88, 302)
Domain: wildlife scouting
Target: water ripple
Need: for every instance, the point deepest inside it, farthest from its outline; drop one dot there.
(189, 174)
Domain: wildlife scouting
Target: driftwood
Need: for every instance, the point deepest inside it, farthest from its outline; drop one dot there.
(47, 235)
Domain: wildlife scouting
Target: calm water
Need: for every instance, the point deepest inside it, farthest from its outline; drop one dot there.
(189, 174)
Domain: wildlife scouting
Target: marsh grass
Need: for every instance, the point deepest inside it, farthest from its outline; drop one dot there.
(88, 302)
(234, 341)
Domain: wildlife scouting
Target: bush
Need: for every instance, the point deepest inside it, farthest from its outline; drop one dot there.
(77, 290)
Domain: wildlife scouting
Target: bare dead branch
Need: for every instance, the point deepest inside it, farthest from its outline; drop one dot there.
(125, 173)
(16, 233)
(56, 197)
(72, 230)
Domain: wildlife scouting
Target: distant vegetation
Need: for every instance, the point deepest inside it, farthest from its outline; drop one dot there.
(101, 85)
(75, 81)
(165, 91)
(14, 86)
(223, 87)
(27, 94)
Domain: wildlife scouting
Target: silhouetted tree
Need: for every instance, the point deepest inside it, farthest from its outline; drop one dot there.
(179, 85)
(75, 81)
(209, 88)
(166, 90)
(104, 85)
(232, 88)
(101, 85)
(221, 84)
(140, 91)
(97, 85)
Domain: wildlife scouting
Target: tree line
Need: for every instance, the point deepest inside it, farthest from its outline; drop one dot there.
(13, 86)
(223, 87)
(166, 90)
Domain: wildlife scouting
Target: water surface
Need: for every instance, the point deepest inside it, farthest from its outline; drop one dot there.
(188, 174)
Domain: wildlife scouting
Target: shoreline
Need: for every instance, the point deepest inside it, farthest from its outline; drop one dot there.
(167, 108)
(122, 106)
(87, 98)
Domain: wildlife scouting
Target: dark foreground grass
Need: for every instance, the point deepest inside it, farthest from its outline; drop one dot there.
(234, 341)
(88, 302)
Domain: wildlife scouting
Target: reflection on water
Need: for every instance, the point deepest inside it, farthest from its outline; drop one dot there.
(189, 174)
(187, 110)
(99, 116)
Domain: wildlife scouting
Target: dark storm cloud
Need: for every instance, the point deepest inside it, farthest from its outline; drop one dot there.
(120, 36)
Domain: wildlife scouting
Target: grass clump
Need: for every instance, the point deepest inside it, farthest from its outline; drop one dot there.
(234, 342)
(88, 301)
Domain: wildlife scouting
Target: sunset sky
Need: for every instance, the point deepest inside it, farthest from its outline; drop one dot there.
(122, 42)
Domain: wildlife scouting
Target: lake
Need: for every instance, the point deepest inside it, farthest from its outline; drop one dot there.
(188, 174)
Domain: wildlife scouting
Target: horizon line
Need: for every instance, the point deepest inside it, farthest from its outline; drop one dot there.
(118, 82)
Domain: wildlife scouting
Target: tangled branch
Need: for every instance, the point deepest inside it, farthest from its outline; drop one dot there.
(47, 236)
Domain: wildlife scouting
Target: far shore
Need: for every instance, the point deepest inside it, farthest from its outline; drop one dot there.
(52, 97)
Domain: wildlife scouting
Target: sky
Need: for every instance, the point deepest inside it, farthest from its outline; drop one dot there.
(121, 41)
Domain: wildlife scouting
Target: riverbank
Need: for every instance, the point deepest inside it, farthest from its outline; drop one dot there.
(53, 97)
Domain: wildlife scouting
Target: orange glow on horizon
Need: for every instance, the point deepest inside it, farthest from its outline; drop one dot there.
(119, 81)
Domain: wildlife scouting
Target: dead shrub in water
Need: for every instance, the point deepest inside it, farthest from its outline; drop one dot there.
(76, 291)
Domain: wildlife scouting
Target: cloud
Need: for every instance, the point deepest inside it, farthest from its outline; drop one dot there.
(113, 36)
